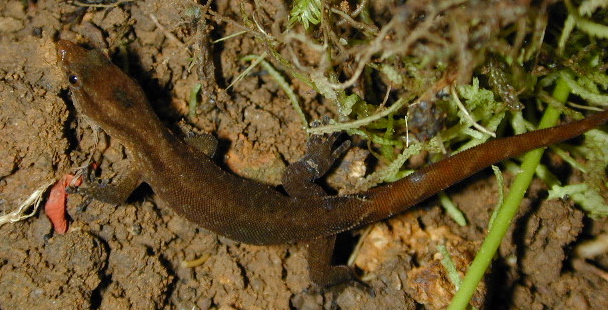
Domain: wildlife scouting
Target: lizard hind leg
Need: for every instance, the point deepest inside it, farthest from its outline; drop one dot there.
(298, 179)
(323, 274)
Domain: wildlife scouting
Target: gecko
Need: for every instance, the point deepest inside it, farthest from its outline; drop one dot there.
(185, 176)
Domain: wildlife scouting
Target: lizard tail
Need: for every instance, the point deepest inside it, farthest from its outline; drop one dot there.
(420, 185)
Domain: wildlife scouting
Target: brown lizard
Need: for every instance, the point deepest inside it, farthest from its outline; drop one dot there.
(246, 211)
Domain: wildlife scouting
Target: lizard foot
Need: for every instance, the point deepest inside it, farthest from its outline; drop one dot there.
(105, 191)
(298, 179)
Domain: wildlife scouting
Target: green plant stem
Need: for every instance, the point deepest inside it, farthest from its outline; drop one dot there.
(508, 210)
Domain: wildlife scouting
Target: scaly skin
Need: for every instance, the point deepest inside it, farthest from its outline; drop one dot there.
(246, 211)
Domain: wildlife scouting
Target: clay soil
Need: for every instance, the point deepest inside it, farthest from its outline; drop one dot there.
(130, 256)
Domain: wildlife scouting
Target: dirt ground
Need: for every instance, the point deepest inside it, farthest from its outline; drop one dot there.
(129, 256)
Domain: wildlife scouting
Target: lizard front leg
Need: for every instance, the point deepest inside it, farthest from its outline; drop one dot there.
(114, 193)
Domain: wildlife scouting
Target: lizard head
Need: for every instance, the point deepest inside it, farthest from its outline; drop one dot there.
(104, 94)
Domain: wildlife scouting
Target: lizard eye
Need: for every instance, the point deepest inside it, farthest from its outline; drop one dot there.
(74, 81)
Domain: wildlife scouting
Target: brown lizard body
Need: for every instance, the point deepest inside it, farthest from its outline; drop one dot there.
(196, 188)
